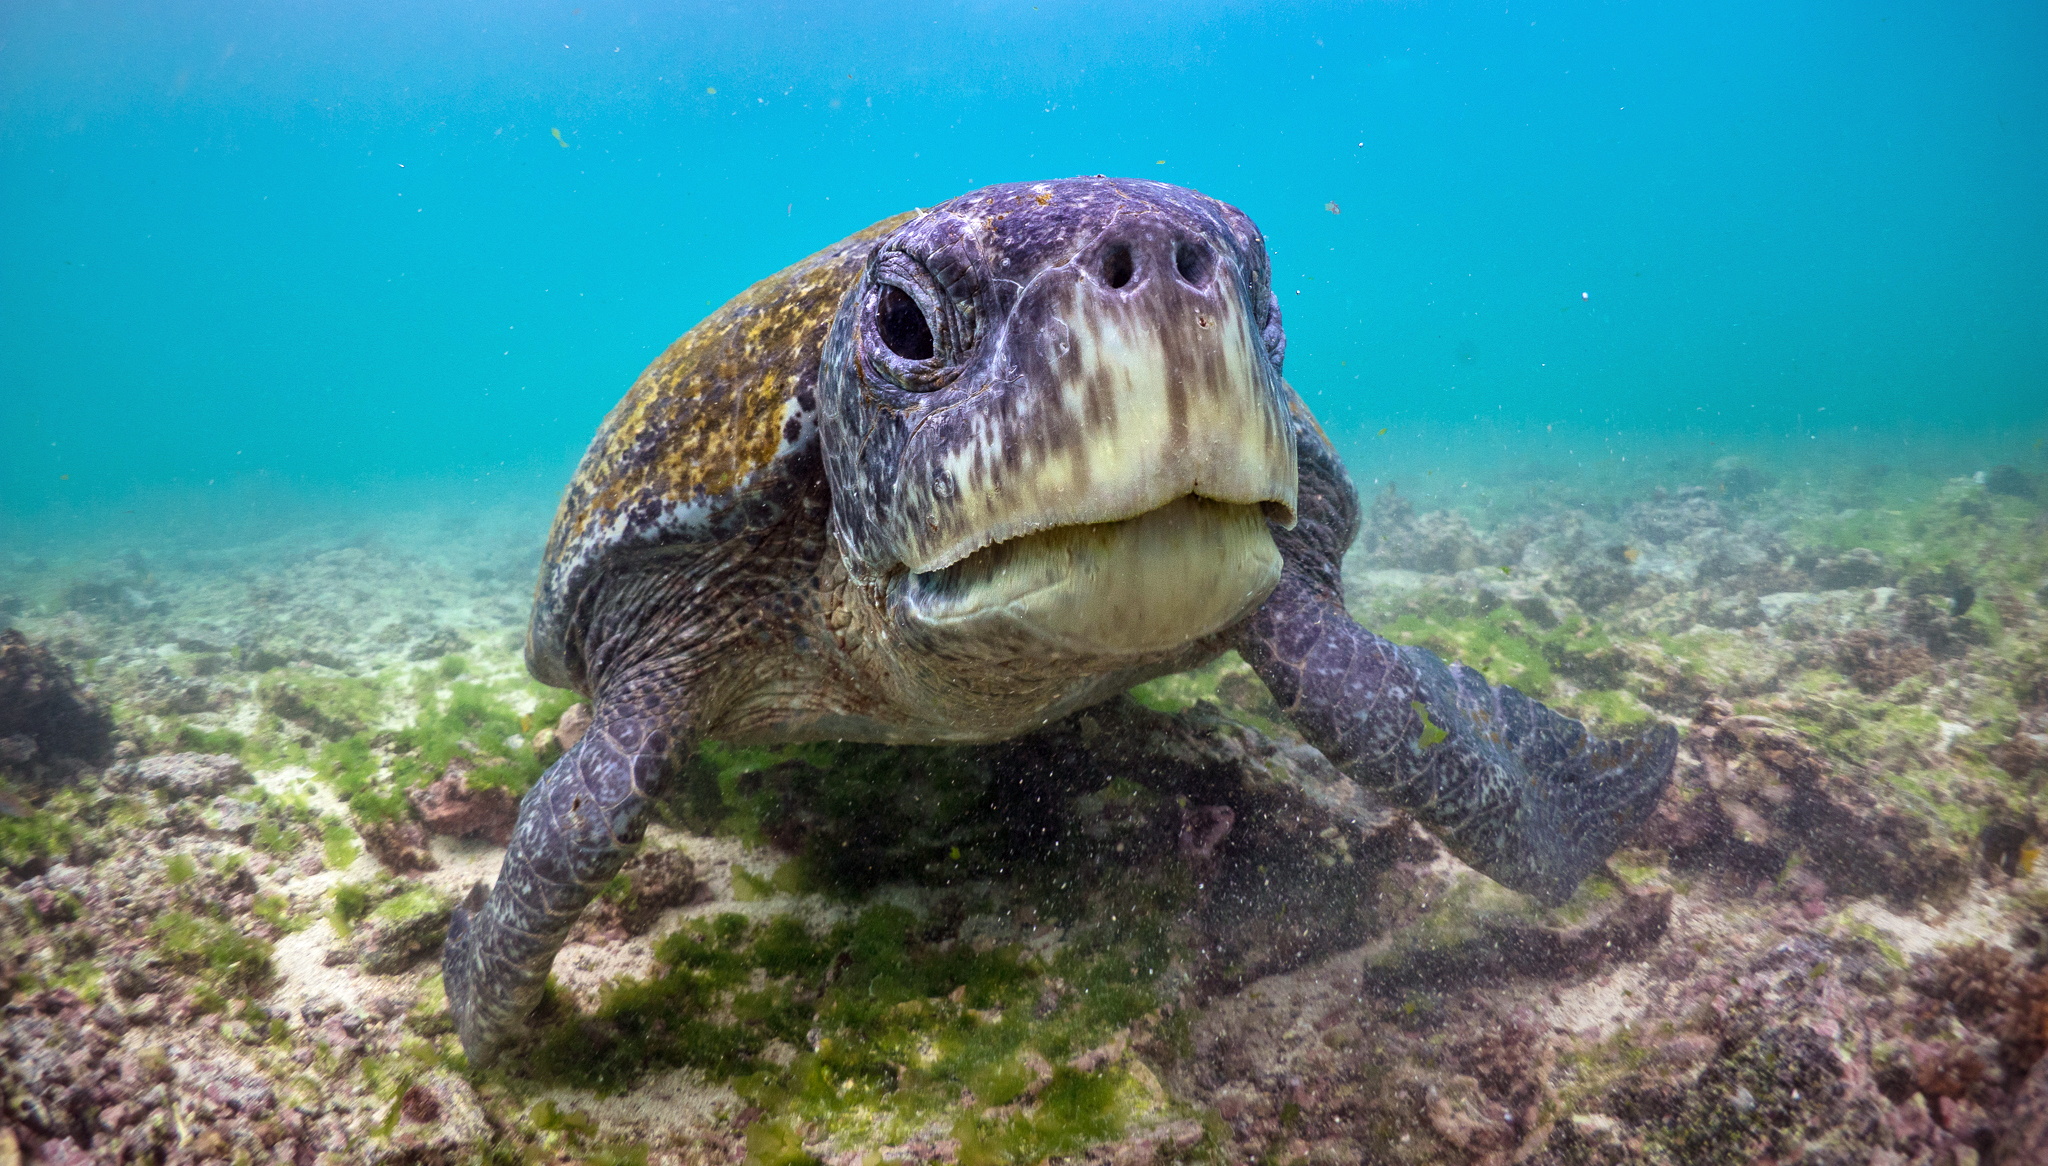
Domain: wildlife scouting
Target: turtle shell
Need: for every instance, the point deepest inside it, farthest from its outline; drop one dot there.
(712, 441)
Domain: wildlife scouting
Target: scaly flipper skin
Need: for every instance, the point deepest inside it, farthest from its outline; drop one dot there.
(1523, 794)
(576, 828)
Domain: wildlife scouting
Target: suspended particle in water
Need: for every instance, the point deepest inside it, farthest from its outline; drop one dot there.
(558, 138)
(1332, 207)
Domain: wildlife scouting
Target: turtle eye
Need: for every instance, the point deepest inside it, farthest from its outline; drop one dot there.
(901, 324)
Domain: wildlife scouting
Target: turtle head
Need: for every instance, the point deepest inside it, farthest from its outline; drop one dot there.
(1053, 412)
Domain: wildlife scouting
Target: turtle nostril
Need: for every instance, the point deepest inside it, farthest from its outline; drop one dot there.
(1116, 265)
(1192, 261)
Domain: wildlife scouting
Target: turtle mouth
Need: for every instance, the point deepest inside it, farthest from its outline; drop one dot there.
(1137, 586)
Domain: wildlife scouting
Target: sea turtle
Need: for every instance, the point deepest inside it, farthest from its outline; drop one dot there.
(958, 475)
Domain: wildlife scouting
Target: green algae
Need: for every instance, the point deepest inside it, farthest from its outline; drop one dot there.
(223, 956)
(331, 706)
(1753, 1095)
(193, 739)
(857, 816)
(179, 869)
(1606, 708)
(338, 844)
(1500, 644)
(478, 723)
(276, 910)
(408, 905)
(1888, 731)
(1226, 682)
(374, 774)
(1431, 733)
(1957, 522)
(1465, 917)
(49, 832)
(1577, 665)
(895, 1029)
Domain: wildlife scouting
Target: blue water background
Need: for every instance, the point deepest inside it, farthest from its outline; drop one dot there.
(276, 263)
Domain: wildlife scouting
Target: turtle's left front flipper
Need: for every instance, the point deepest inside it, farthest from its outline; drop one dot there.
(576, 828)
(1525, 795)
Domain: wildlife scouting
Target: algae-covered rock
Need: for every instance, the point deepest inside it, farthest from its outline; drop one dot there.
(451, 806)
(1441, 541)
(330, 706)
(179, 776)
(400, 843)
(402, 930)
(1761, 793)
(436, 1121)
(651, 882)
(1473, 931)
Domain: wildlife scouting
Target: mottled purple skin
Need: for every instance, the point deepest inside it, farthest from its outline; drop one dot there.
(998, 260)
(672, 636)
(1523, 794)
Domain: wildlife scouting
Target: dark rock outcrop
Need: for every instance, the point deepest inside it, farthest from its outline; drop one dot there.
(50, 726)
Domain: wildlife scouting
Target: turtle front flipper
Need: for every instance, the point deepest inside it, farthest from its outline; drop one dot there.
(1523, 794)
(576, 828)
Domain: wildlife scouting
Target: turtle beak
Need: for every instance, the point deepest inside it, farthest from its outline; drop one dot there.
(1111, 491)
(1116, 399)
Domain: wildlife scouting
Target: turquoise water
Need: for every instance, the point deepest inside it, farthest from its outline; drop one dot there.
(287, 263)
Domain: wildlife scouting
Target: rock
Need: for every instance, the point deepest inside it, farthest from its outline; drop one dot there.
(441, 642)
(1478, 931)
(1739, 479)
(1874, 661)
(440, 1122)
(2025, 754)
(232, 818)
(574, 722)
(1761, 792)
(1441, 541)
(182, 775)
(400, 844)
(1857, 568)
(2011, 481)
(656, 879)
(402, 931)
(2025, 1140)
(158, 689)
(42, 702)
(1528, 600)
(1672, 517)
(302, 703)
(452, 807)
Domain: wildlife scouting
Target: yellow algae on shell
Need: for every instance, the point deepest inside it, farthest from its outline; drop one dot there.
(708, 413)
(699, 428)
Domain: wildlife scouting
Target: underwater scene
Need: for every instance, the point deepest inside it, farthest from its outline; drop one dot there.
(1006, 582)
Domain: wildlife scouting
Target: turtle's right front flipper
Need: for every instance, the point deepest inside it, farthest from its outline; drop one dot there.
(1524, 794)
(576, 828)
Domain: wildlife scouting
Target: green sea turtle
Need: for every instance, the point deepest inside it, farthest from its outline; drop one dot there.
(956, 476)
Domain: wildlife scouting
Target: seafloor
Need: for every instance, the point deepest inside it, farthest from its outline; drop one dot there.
(245, 779)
